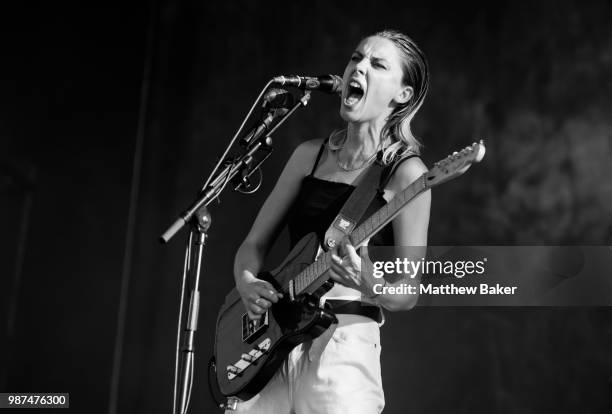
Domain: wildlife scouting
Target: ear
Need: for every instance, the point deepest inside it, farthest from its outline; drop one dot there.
(404, 94)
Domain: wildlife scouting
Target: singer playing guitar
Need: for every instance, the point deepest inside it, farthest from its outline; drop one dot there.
(384, 85)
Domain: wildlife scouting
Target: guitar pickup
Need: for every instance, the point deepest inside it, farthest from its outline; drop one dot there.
(246, 360)
(252, 328)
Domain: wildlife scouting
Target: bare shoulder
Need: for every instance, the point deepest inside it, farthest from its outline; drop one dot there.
(304, 155)
(407, 172)
(308, 149)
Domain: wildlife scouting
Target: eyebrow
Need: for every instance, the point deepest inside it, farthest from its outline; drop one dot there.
(376, 58)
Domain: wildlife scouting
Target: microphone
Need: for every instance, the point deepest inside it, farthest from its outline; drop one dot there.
(323, 83)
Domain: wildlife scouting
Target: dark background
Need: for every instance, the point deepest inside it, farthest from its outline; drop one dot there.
(531, 78)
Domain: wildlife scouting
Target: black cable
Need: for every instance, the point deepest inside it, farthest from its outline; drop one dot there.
(212, 363)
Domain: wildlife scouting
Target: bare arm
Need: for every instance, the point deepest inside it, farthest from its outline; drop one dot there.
(410, 229)
(257, 294)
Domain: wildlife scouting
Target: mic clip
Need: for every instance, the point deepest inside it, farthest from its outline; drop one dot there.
(276, 102)
(263, 127)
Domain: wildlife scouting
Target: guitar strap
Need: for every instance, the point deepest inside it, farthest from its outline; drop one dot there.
(355, 207)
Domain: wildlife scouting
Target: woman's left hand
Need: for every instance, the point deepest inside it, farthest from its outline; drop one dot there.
(346, 268)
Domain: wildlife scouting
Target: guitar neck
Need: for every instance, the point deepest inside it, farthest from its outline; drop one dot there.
(451, 167)
(316, 271)
(378, 220)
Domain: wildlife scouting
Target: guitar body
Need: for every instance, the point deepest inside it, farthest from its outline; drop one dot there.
(248, 353)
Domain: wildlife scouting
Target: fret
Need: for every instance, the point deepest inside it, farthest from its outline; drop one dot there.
(312, 271)
(361, 234)
(325, 262)
(374, 228)
(296, 284)
(391, 207)
(356, 236)
(299, 283)
(308, 275)
(312, 274)
(396, 204)
(401, 196)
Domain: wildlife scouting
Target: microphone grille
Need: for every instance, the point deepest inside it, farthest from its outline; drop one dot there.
(336, 84)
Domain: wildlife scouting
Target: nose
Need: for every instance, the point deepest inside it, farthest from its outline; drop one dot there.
(361, 66)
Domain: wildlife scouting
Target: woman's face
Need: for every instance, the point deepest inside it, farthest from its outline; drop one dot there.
(373, 82)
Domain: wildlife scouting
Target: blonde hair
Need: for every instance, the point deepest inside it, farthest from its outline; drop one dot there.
(397, 129)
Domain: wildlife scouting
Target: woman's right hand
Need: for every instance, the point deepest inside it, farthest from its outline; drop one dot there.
(257, 295)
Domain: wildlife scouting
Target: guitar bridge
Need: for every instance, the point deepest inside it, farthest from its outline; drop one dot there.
(252, 328)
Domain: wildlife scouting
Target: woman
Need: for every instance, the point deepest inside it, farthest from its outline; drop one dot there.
(385, 83)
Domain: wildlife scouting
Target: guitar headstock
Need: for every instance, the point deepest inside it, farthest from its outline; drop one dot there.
(455, 164)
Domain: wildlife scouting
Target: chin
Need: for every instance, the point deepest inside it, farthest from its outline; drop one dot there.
(348, 115)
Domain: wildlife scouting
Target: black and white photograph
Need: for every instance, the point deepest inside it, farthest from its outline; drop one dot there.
(324, 207)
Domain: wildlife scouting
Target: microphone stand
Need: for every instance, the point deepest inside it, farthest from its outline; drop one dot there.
(236, 170)
(228, 173)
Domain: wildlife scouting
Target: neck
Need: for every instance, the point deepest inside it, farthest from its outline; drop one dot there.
(362, 140)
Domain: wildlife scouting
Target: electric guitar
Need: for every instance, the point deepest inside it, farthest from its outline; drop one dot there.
(248, 352)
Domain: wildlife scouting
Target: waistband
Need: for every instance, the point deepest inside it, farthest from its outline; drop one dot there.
(355, 307)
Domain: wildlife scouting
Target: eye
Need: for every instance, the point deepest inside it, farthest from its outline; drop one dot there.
(379, 65)
(355, 58)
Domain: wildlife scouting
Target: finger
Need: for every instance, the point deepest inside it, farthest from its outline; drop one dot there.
(272, 290)
(336, 259)
(256, 309)
(263, 303)
(337, 267)
(253, 296)
(335, 251)
(266, 291)
(253, 315)
(333, 275)
(350, 249)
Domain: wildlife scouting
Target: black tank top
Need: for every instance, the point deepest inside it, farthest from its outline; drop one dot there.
(319, 201)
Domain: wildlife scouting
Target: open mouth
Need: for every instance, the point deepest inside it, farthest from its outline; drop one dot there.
(354, 93)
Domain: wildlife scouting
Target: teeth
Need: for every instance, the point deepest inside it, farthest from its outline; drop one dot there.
(354, 93)
(351, 100)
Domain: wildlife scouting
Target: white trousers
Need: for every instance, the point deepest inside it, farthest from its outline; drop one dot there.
(338, 372)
